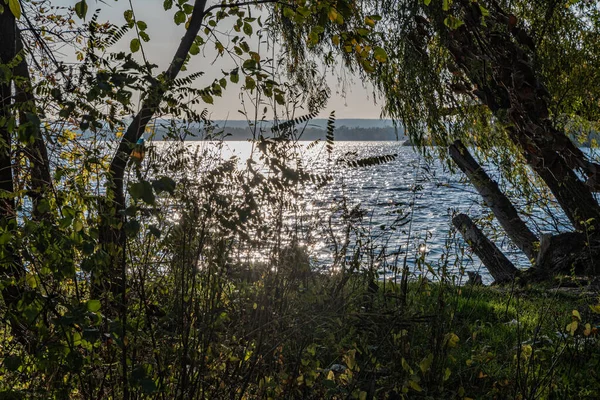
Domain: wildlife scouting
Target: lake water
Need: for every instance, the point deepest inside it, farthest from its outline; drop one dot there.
(416, 195)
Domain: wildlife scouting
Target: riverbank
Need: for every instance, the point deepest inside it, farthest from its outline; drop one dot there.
(459, 342)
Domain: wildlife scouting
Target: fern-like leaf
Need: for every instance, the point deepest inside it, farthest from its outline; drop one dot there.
(311, 145)
(187, 80)
(329, 135)
(116, 34)
(296, 121)
(370, 161)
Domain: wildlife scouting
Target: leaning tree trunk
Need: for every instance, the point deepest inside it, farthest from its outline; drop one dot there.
(570, 252)
(500, 267)
(500, 205)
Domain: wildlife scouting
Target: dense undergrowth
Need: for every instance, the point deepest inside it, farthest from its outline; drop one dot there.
(284, 336)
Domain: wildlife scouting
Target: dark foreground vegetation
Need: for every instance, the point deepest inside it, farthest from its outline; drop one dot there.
(308, 337)
(130, 269)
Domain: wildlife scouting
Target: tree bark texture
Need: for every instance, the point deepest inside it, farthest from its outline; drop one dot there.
(569, 253)
(36, 151)
(500, 267)
(500, 205)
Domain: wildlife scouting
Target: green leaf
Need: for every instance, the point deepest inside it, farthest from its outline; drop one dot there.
(179, 17)
(167, 4)
(427, 2)
(142, 25)
(142, 190)
(447, 374)
(134, 46)
(425, 364)
(15, 8)
(93, 305)
(77, 225)
(207, 98)
(415, 386)
(250, 83)
(249, 64)
(12, 363)
(279, 98)
(132, 227)
(148, 386)
(453, 22)
(164, 184)
(5, 237)
(128, 15)
(380, 54)
(194, 50)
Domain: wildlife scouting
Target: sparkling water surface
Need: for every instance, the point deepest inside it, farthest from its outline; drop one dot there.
(420, 195)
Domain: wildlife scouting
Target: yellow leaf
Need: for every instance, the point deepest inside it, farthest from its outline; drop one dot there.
(572, 327)
(425, 364)
(596, 308)
(15, 8)
(452, 339)
(447, 374)
(362, 396)
(336, 40)
(415, 386)
(576, 315)
(588, 330)
(330, 375)
(333, 15)
(527, 349)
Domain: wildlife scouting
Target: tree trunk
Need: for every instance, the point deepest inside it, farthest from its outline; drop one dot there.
(500, 267)
(496, 58)
(566, 254)
(36, 151)
(112, 236)
(502, 208)
(11, 267)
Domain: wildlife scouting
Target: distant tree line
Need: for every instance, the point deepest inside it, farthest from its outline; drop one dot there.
(343, 133)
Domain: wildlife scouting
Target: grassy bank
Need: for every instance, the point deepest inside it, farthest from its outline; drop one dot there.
(445, 342)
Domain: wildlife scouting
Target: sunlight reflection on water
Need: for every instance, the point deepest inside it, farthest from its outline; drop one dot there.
(408, 187)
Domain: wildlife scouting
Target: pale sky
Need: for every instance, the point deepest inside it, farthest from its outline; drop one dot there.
(165, 37)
